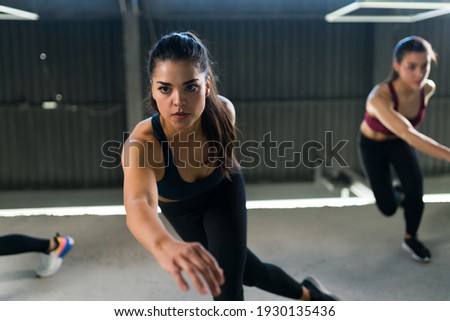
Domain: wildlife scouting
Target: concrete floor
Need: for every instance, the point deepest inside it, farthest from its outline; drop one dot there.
(353, 250)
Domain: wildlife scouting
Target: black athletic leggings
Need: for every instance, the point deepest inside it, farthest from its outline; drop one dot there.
(376, 158)
(18, 243)
(218, 220)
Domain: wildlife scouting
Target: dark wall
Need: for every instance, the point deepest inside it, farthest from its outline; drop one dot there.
(295, 79)
(83, 62)
(83, 73)
(64, 148)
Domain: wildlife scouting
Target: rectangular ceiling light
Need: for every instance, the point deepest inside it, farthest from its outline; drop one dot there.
(16, 14)
(424, 10)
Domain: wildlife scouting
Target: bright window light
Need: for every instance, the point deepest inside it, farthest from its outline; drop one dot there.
(428, 9)
(251, 204)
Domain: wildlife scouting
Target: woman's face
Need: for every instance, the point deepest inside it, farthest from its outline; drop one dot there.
(180, 90)
(414, 69)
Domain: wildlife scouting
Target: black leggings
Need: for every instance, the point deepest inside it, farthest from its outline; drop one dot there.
(218, 220)
(18, 243)
(376, 158)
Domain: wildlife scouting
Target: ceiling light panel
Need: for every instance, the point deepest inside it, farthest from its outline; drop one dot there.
(421, 10)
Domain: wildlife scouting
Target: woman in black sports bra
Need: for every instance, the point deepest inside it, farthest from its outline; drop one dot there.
(182, 160)
(389, 137)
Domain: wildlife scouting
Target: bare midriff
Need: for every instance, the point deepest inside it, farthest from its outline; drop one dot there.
(374, 135)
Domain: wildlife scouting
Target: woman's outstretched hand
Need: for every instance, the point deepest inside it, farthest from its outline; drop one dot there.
(194, 261)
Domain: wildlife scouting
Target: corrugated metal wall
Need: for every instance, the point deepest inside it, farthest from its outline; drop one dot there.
(83, 61)
(62, 147)
(278, 71)
(284, 59)
(294, 79)
(437, 126)
(299, 124)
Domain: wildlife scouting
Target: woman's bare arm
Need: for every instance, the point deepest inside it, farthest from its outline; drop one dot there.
(141, 204)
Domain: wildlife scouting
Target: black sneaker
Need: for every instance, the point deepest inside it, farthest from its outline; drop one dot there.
(317, 291)
(417, 250)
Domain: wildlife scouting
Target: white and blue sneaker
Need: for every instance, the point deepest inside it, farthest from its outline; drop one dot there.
(52, 261)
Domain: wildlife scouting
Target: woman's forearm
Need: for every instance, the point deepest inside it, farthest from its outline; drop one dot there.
(427, 145)
(145, 225)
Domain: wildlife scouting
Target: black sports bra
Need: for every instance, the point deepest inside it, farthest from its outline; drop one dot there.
(172, 186)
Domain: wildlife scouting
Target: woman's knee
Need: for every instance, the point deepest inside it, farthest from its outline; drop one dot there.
(251, 280)
(253, 277)
(388, 209)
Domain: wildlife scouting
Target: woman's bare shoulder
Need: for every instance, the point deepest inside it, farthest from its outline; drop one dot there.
(380, 94)
(229, 106)
(143, 131)
(143, 141)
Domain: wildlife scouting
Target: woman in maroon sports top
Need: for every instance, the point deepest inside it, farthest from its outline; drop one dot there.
(389, 138)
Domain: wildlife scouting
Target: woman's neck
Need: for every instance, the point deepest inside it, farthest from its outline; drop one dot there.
(403, 89)
(173, 134)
